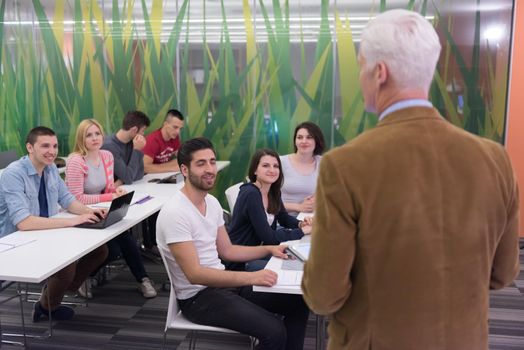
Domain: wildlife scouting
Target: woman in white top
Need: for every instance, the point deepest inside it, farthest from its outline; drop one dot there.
(301, 169)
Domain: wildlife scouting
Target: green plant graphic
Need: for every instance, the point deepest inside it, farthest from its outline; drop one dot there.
(250, 95)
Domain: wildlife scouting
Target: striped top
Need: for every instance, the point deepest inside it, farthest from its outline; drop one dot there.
(76, 174)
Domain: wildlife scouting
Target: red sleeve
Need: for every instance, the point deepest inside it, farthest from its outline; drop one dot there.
(176, 144)
(151, 148)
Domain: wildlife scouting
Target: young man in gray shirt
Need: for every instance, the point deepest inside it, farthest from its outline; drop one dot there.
(127, 145)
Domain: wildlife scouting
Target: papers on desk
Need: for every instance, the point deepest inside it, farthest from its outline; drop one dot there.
(12, 241)
(289, 277)
(303, 215)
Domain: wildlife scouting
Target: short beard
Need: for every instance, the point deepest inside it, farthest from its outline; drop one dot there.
(197, 183)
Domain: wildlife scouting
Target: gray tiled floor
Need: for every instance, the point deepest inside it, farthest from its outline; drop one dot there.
(118, 318)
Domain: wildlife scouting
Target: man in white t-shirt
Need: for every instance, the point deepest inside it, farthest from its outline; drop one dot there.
(192, 237)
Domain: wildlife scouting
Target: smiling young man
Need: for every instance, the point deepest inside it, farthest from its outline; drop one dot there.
(192, 238)
(162, 144)
(31, 191)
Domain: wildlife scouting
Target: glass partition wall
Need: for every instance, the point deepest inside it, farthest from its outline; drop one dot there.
(244, 73)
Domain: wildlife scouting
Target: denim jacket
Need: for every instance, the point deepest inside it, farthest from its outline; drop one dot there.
(19, 185)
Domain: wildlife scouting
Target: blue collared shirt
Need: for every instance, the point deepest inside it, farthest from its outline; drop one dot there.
(19, 185)
(404, 104)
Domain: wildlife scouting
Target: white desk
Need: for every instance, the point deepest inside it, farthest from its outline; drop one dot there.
(54, 249)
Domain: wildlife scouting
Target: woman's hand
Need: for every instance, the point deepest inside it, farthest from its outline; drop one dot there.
(120, 191)
(308, 220)
(308, 204)
(306, 229)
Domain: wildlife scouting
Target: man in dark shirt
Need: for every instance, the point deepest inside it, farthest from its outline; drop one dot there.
(127, 145)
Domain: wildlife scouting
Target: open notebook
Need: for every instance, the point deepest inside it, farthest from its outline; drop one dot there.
(289, 277)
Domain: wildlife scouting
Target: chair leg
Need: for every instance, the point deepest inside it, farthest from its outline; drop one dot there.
(164, 340)
(192, 340)
(190, 344)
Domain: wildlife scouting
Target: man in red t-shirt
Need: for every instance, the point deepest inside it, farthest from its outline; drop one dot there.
(160, 149)
(162, 145)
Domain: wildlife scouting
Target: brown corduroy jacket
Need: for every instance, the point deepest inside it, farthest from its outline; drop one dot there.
(415, 221)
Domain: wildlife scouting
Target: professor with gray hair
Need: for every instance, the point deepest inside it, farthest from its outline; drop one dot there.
(416, 219)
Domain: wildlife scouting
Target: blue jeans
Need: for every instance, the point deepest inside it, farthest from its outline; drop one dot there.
(278, 321)
(125, 245)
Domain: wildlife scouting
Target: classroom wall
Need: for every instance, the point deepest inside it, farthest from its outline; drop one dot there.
(243, 73)
(515, 127)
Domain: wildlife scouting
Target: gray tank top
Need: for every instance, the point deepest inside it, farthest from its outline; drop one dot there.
(95, 182)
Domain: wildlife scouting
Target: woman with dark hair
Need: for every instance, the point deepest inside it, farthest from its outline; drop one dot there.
(259, 207)
(301, 169)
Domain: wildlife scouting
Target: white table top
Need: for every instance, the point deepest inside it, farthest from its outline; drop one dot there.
(54, 249)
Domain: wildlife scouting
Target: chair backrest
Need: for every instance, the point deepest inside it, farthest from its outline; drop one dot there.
(172, 309)
(232, 194)
(7, 157)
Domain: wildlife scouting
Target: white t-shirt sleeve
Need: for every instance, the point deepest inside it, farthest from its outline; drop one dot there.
(217, 210)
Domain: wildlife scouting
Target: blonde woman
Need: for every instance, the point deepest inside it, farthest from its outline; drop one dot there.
(89, 169)
(89, 177)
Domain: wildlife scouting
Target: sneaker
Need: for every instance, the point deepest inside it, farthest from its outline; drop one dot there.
(85, 289)
(146, 288)
(61, 313)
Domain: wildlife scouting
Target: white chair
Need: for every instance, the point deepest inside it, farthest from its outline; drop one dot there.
(175, 319)
(232, 194)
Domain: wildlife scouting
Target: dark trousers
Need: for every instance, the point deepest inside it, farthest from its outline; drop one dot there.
(278, 321)
(149, 231)
(70, 278)
(125, 245)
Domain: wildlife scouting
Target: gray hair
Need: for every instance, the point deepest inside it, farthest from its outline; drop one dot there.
(406, 43)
